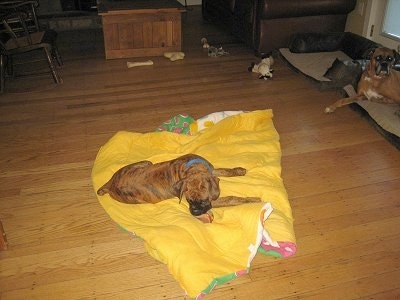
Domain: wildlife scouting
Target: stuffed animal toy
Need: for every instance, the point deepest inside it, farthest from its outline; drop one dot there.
(205, 43)
(264, 68)
(173, 56)
(213, 51)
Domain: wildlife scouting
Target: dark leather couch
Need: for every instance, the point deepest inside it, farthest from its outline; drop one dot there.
(267, 25)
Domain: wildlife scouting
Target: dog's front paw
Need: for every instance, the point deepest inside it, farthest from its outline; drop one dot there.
(240, 171)
(329, 109)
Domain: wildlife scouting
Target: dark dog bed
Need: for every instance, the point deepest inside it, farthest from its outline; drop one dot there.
(335, 61)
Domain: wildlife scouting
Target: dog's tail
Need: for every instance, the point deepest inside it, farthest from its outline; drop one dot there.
(105, 189)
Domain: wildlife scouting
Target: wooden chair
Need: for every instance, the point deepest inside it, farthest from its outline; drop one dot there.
(20, 34)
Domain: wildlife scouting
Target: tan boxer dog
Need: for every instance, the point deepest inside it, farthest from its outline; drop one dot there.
(189, 176)
(378, 83)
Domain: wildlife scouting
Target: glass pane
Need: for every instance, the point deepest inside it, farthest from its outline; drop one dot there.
(391, 22)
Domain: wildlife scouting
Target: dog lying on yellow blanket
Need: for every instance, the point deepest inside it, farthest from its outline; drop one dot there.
(189, 176)
(203, 255)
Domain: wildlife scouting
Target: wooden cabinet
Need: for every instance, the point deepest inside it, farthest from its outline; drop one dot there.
(142, 30)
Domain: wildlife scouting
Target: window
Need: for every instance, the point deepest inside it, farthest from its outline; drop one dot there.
(375, 20)
(391, 20)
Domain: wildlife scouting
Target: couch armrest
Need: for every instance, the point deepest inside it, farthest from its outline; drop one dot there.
(273, 9)
(357, 46)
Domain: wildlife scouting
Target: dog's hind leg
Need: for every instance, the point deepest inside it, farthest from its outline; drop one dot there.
(343, 102)
(107, 187)
(233, 200)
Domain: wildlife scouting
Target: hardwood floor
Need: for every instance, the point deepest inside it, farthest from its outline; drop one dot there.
(342, 178)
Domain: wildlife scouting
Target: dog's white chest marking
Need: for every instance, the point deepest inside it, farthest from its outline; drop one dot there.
(371, 94)
(366, 78)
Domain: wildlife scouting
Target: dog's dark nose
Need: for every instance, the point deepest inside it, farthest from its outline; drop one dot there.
(382, 68)
(198, 208)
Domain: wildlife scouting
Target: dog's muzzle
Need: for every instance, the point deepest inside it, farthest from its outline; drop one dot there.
(198, 208)
(382, 69)
(383, 65)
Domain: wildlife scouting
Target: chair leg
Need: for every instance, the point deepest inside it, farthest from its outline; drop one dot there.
(2, 73)
(57, 55)
(52, 67)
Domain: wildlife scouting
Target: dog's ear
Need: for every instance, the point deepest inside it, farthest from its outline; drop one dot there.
(396, 56)
(214, 188)
(369, 53)
(179, 189)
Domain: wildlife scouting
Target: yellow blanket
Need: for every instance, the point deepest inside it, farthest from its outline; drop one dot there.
(199, 255)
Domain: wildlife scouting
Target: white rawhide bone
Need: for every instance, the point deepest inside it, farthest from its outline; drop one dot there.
(139, 63)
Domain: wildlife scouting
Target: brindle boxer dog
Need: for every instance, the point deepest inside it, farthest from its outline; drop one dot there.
(378, 83)
(189, 176)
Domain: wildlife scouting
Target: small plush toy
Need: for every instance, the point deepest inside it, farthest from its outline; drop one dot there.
(205, 43)
(213, 51)
(264, 68)
(173, 56)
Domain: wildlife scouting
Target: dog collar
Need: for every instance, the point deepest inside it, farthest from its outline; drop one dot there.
(198, 161)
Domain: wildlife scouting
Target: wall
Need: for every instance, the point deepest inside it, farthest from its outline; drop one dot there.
(357, 18)
(48, 6)
(367, 14)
